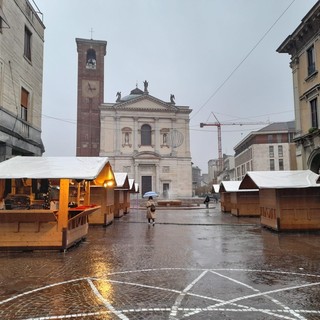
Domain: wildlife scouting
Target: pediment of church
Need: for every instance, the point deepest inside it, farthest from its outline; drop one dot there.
(145, 103)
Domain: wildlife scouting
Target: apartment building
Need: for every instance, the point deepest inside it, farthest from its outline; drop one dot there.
(268, 149)
(303, 46)
(21, 75)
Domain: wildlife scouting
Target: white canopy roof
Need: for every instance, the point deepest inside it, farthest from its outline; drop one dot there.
(131, 184)
(87, 168)
(279, 179)
(215, 188)
(122, 180)
(233, 186)
(229, 186)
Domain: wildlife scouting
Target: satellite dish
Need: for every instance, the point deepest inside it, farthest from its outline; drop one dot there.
(175, 138)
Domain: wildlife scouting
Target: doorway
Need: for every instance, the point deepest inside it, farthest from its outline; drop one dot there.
(146, 184)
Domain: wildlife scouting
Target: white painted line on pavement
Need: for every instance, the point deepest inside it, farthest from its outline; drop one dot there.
(177, 303)
(218, 305)
(105, 302)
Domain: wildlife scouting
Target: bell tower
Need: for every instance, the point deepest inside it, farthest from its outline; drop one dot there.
(90, 95)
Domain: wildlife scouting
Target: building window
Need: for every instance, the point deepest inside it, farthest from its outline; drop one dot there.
(314, 113)
(270, 138)
(146, 135)
(280, 151)
(271, 152)
(24, 104)
(281, 167)
(279, 138)
(272, 165)
(311, 60)
(27, 43)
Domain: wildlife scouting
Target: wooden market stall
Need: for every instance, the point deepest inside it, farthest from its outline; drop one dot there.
(135, 195)
(121, 187)
(47, 200)
(245, 203)
(289, 200)
(133, 189)
(225, 189)
(103, 195)
(216, 193)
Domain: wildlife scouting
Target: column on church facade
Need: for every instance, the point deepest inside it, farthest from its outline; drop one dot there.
(135, 134)
(157, 182)
(118, 134)
(156, 135)
(187, 138)
(136, 173)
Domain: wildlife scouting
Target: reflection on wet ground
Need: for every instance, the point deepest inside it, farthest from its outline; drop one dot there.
(193, 264)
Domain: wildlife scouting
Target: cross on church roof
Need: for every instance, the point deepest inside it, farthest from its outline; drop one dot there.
(91, 31)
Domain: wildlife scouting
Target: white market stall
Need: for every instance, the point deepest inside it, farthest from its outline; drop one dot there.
(225, 189)
(121, 188)
(242, 203)
(133, 189)
(289, 200)
(47, 200)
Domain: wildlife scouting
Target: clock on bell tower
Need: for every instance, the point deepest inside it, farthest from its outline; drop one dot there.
(91, 55)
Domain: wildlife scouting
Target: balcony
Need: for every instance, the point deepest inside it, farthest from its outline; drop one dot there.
(21, 131)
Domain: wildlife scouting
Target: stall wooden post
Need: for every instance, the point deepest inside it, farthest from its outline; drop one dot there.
(63, 204)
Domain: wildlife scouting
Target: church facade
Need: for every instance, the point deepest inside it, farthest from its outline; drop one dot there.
(149, 139)
(140, 134)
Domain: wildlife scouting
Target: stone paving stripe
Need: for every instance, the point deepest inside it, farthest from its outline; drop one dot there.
(233, 280)
(179, 299)
(105, 302)
(41, 288)
(281, 313)
(196, 310)
(267, 296)
(265, 293)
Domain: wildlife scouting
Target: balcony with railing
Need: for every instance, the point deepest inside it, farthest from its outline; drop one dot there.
(13, 126)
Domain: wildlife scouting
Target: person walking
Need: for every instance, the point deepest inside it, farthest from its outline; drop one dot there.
(151, 210)
(206, 201)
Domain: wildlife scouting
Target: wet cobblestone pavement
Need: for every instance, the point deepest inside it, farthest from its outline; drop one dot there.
(193, 264)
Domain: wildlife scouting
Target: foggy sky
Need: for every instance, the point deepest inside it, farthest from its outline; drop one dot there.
(215, 56)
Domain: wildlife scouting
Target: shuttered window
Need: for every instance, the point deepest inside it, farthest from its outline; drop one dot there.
(314, 113)
(24, 104)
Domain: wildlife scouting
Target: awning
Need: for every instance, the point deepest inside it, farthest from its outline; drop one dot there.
(279, 179)
(82, 168)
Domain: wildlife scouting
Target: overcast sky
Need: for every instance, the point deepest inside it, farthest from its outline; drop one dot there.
(215, 56)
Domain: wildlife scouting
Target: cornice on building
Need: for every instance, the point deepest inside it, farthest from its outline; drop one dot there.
(307, 29)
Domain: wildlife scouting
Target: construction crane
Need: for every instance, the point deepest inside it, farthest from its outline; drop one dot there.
(218, 124)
